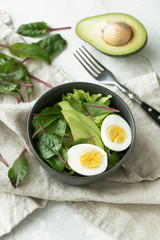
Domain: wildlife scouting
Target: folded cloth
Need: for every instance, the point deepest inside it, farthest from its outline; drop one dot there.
(124, 205)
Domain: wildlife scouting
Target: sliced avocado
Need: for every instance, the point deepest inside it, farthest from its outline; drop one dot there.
(113, 34)
(90, 124)
(79, 129)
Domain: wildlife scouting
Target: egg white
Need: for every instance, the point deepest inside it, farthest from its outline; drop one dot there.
(74, 154)
(118, 121)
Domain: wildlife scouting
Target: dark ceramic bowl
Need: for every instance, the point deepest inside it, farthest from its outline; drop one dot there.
(54, 95)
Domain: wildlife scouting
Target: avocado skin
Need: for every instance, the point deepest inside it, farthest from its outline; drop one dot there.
(125, 55)
(110, 54)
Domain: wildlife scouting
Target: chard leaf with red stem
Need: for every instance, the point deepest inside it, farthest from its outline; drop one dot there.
(36, 29)
(12, 71)
(25, 50)
(49, 145)
(4, 161)
(53, 45)
(18, 171)
(13, 93)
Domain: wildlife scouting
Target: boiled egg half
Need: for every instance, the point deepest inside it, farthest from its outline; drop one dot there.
(87, 159)
(116, 133)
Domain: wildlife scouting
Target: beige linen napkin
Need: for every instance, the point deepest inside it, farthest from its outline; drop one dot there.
(125, 205)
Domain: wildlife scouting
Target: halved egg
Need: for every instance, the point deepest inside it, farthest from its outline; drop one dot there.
(87, 159)
(116, 133)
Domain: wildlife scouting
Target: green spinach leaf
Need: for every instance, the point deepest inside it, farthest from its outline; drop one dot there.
(49, 145)
(12, 71)
(18, 171)
(34, 29)
(57, 127)
(25, 50)
(113, 159)
(56, 161)
(53, 45)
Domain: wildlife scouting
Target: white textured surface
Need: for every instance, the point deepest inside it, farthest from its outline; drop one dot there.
(60, 220)
(55, 221)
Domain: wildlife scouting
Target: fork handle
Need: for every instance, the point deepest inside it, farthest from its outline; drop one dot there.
(154, 114)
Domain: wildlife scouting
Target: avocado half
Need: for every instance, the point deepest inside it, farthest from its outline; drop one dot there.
(92, 30)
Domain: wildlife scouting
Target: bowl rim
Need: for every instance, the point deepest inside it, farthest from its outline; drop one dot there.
(43, 162)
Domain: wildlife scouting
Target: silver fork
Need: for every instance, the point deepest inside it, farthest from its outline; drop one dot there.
(102, 74)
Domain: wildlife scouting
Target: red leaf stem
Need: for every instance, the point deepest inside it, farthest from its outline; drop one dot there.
(56, 29)
(39, 80)
(61, 159)
(22, 85)
(87, 112)
(42, 128)
(88, 139)
(38, 129)
(110, 109)
(18, 100)
(2, 159)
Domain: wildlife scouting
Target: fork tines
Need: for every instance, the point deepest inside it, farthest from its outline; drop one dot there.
(93, 67)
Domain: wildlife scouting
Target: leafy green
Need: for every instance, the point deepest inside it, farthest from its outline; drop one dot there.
(7, 86)
(49, 145)
(51, 110)
(12, 71)
(34, 29)
(113, 159)
(68, 170)
(18, 171)
(56, 162)
(27, 80)
(25, 50)
(13, 93)
(44, 120)
(57, 127)
(81, 95)
(5, 58)
(53, 45)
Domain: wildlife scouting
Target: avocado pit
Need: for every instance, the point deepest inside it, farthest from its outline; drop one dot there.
(117, 33)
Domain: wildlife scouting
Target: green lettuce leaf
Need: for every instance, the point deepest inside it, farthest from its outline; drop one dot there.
(80, 95)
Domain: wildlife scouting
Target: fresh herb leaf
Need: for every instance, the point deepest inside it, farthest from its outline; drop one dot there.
(51, 110)
(81, 95)
(5, 58)
(13, 93)
(68, 170)
(27, 80)
(44, 120)
(49, 145)
(7, 86)
(12, 71)
(25, 50)
(53, 45)
(18, 171)
(113, 159)
(58, 162)
(57, 127)
(36, 29)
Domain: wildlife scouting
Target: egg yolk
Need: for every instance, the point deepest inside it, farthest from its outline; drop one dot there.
(91, 158)
(116, 134)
